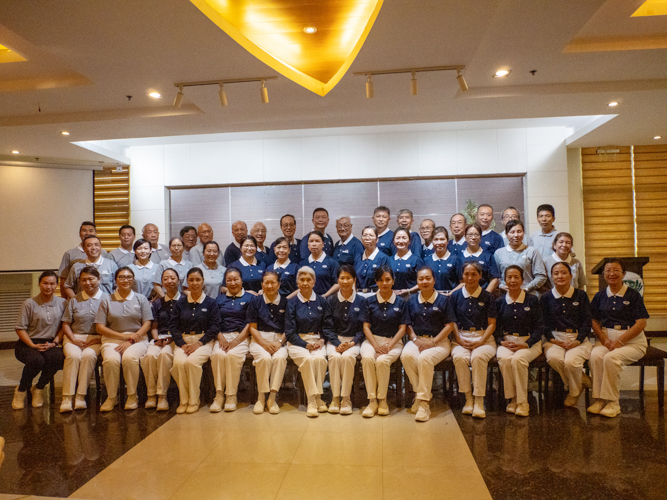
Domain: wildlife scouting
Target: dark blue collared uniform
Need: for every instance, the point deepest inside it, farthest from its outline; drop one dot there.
(268, 317)
(491, 242)
(346, 317)
(472, 312)
(232, 254)
(263, 257)
(386, 318)
(488, 263)
(312, 316)
(457, 249)
(445, 271)
(251, 275)
(405, 271)
(366, 270)
(325, 272)
(328, 247)
(565, 314)
(287, 277)
(191, 317)
(233, 311)
(427, 251)
(348, 253)
(622, 311)
(524, 318)
(426, 318)
(385, 243)
(163, 310)
(294, 251)
(415, 245)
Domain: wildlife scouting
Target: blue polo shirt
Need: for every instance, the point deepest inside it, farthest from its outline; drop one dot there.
(622, 309)
(163, 310)
(456, 248)
(326, 270)
(405, 270)
(251, 274)
(445, 270)
(264, 257)
(347, 252)
(346, 317)
(428, 317)
(268, 316)
(287, 274)
(415, 245)
(328, 247)
(365, 269)
(486, 260)
(571, 311)
(202, 316)
(523, 317)
(233, 311)
(491, 241)
(308, 316)
(385, 317)
(472, 311)
(294, 251)
(426, 251)
(385, 242)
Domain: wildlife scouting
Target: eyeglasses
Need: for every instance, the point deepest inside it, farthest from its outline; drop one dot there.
(124, 278)
(343, 226)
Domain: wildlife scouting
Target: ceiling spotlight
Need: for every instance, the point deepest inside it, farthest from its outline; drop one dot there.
(15, 152)
(413, 84)
(179, 97)
(64, 132)
(502, 73)
(612, 104)
(310, 30)
(656, 137)
(462, 82)
(223, 96)
(155, 95)
(369, 88)
(264, 93)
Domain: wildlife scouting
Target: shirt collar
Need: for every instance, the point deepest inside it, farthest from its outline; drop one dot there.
(176, 297)
(98, 295)
(349, 238)
(238, 295)
(350, 300)
(383, 232)
(555, 257)
(519, 300)
(312, 298)
(123, 250)
(147, 266)
(319, 259)
(429, 247)
(479, 251)
(174, 263)
(275, 302)
(620, 293)
(405, 257)
(475, 294)
(236, 244)
(121, 299)
(520, 249)
(281, 266)
(80, 248)
(199, 300)
(444, 257)
(96, 263)
(430, 300)
(546, 235)
(391, 300)
(484, 233)
(244, 263)
(568, 294)
(372, 256)
(461, 242)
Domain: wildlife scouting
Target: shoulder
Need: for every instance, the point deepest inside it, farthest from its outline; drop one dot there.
(208, 301)
(140, 298)
(532, 300)
(633, 295)
(247, 296)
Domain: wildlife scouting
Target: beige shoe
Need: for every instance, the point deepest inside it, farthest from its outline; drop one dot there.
(478, 408)
(511, 407)
(311, 411)
(37, 397)
(371, 409)
(571, 400)
(258, 409)
(611, 409)
(182, 408)
(109, 404)
(192, 408)
(415, 406)
(218, 402)
(424, 411)
(273, 407)
(132, 402)
(80, 402)
(346, 407)
(321, 405)
(522, 410)
(18, 402)
(334, 407)
(66, 405)
(162, 403)
(596, 407)
(383, 407)
(230, 403)
(151, 402)
(468, 407)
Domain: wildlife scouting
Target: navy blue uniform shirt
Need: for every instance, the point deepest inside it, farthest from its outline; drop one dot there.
(326, 271)
(623, 309)
(365, 269)
(385, 242)
(233, 311)
(385, 318)
(571, 311)
(269, 317)
(294, 251)
(445, 271)
(491, 241)
(472, 311)
(328, 247)
(428, 317)
(523, 317)
(405, 270)
(415, 245)
(232, 254)
(308, 316)
(202, 316)
(486, 260)
(347, 253)
(251, 274)
(163, 310)
(346, 317)
(287, 276)
(457, 249)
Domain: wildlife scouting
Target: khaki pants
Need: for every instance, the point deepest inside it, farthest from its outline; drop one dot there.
(478, 359)
(269, 368)
(227, 365)
(156, 365)
(514, 367)
(419, 365)
(569, 363)
(606, 367)
(312, 364)
(112, 361)
(79, 364)
(341, 368)
(376, 367)
(187, 369)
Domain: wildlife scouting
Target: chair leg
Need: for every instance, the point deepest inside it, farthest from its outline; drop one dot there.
(661, 386)
(52, 390)
(399, 383)
(641, 379)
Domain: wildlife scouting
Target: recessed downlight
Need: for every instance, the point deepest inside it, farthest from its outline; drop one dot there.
(155, 95)
(310, 30)
(612, 104)
(64, 132)
(15, 152)
(656, 137)
(502, 73)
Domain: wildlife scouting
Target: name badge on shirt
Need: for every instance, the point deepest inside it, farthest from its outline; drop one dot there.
(286, 272)
(449, 265)
(344, 251)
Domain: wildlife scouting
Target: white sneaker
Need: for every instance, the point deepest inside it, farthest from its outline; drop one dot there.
(132, 402)
(258, 409)
(571, 400)
(218, 402)
(230, 403)
(80, 402)
(478, 408)
(151, 402)
(371, 409)
(522, 410)
(468, 407)
(596, 407)
(424, 412)
(162, 403)
(66, 405)
(321, 405)
(37, 397)
(511, 407)
(383, 407)
(109, 404)
(19, 399)
(334, 407)
(346, 407)
(611, 409)
(311, 411)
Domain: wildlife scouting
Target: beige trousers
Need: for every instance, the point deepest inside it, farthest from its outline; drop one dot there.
(79, 364)
(227, 365)
(269, 368)
(341, 368)
(514, 367)
(187, 369)
(376, 367)
(569, 363)
(419, 365)
(478, 359)
(156, 365)
(606, 367)
(312, 364)
(112, 361)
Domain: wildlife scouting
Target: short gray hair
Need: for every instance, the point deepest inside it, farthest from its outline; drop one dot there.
(306, 270)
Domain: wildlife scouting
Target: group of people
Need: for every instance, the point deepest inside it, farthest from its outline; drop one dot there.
(418, 296)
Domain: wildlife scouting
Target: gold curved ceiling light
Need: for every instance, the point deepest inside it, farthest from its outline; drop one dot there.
(651, 8)
(7, 55)
(273, 31)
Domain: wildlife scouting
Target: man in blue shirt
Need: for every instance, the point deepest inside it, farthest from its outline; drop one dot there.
(348, 248)
(490, 241)
(320, 223)
(288, 227)
(233, 251)
(405, 218)
(381, 218)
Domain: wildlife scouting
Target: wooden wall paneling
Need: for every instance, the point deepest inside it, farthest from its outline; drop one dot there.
(111, 204)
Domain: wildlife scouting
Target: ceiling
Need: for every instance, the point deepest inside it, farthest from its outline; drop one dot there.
(84, 59)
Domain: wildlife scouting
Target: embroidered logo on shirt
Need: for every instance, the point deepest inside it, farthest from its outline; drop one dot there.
(357, 309)
(319, 307)
(324, 266)
(281, 310)
(449, 265)
(627, 303)
(436, 308)
(407, 265)
(374, 265)
(241, 303)
(396, 309)
(204, 310)
(526, 308)
(481, 304)
(575, 303)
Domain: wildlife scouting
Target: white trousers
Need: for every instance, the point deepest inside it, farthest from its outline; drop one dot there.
(227, 365)
(419, 366)
(312, 364)
(79, 364)
(269, 368)
(156, 365)
(341, 368)
(514, 367)
(112, 359)
(478, 359)
(569, 363)
(376, 367)
(606, 367)
(187, 369)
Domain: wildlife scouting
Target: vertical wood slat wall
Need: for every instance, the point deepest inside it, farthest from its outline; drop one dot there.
(112, 204)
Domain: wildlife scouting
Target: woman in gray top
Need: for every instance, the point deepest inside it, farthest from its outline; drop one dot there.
(38, 346)
(82, 343)
(519, 254)
(123, 320)
(562, 247)
(213, 272)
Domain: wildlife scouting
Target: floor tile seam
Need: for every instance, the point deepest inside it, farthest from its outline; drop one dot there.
(291, 463)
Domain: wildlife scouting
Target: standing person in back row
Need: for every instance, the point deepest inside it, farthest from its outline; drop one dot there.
(205, 234)
(426, 229)
(189, 236)
(544, 238)
(233, 251)
(76, 254)
(381, 218)
(151, 234)
(511, 213)
(348, 248)
(320, 223)
(288, 227)
(124, 255)
(491, 241)
(404, 219)
(458, 243)
(258, 231)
